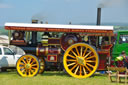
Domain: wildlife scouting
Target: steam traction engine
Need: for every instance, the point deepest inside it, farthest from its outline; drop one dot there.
(80, 49)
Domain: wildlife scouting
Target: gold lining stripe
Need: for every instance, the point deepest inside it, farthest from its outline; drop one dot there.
(46, 50)
(37, 50)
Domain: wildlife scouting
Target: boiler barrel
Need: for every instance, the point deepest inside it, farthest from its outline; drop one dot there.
(41, 51)
(48, 50)
(29, 50)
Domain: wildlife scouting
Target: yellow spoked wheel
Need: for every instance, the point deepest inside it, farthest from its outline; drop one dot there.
(27, 66)
(80, 60)
(42, 65)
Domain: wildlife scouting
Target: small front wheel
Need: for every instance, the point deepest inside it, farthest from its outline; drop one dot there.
(27, 66)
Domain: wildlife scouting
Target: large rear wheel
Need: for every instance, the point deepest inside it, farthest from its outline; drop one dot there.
(80, 60)
(27, 66)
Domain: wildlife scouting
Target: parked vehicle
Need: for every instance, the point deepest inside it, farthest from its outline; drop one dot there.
(8, 58)
(121, 44)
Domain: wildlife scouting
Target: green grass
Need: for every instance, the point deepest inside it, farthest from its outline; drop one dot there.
(53, 78)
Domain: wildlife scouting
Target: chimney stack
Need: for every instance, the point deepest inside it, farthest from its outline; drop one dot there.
(98, 16)
(34, 33)
(34, 21)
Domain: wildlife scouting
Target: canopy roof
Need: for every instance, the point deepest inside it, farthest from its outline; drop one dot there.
(58, 28)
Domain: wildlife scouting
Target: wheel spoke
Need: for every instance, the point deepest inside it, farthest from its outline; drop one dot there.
(23, 61)
(76, 69)
(81, 51)
(29, 60)
(90, 57)
(87, 68)
(90, 61)
(23, 70)
(73, 52)
(77, 51)
(22, 67)
(80, 70)
(32, 62)
(84, 71)
(32, 71)
(71, 56)
(71, 64)
(71, 60)
(26, 72)
(29, 73)
(21, 64)
(84, 52)
(73, 67)
(88, 54)
(33, 68)
(90, 65)
(34, 65)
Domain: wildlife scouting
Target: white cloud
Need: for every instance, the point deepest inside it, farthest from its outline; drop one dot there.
(2, 5)
(112, 3)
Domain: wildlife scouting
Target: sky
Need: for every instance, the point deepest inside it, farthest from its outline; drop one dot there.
(63, 11)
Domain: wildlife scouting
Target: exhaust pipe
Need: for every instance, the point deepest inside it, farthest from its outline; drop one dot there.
(98, 16)
(34, 33)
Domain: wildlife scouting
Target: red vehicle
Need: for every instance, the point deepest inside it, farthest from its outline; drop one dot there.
(80, 49)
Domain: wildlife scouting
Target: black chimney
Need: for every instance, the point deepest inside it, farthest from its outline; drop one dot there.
(98, 16)
(34, 38)
(34, 33)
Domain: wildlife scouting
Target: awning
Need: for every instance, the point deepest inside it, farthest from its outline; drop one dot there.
(59, 28)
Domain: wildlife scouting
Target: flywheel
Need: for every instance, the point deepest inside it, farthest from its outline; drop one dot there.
(69, 39)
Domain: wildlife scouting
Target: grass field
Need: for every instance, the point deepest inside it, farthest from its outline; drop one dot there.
(53, 78)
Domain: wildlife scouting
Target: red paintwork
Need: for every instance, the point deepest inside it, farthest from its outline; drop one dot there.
(49, 56)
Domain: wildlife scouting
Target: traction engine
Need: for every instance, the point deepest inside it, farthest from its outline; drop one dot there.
(80, 50)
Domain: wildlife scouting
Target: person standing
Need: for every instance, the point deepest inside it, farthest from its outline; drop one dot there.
(124, 58)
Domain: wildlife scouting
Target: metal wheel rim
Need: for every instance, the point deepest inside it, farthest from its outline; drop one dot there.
(80, 60)
(42, 65)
